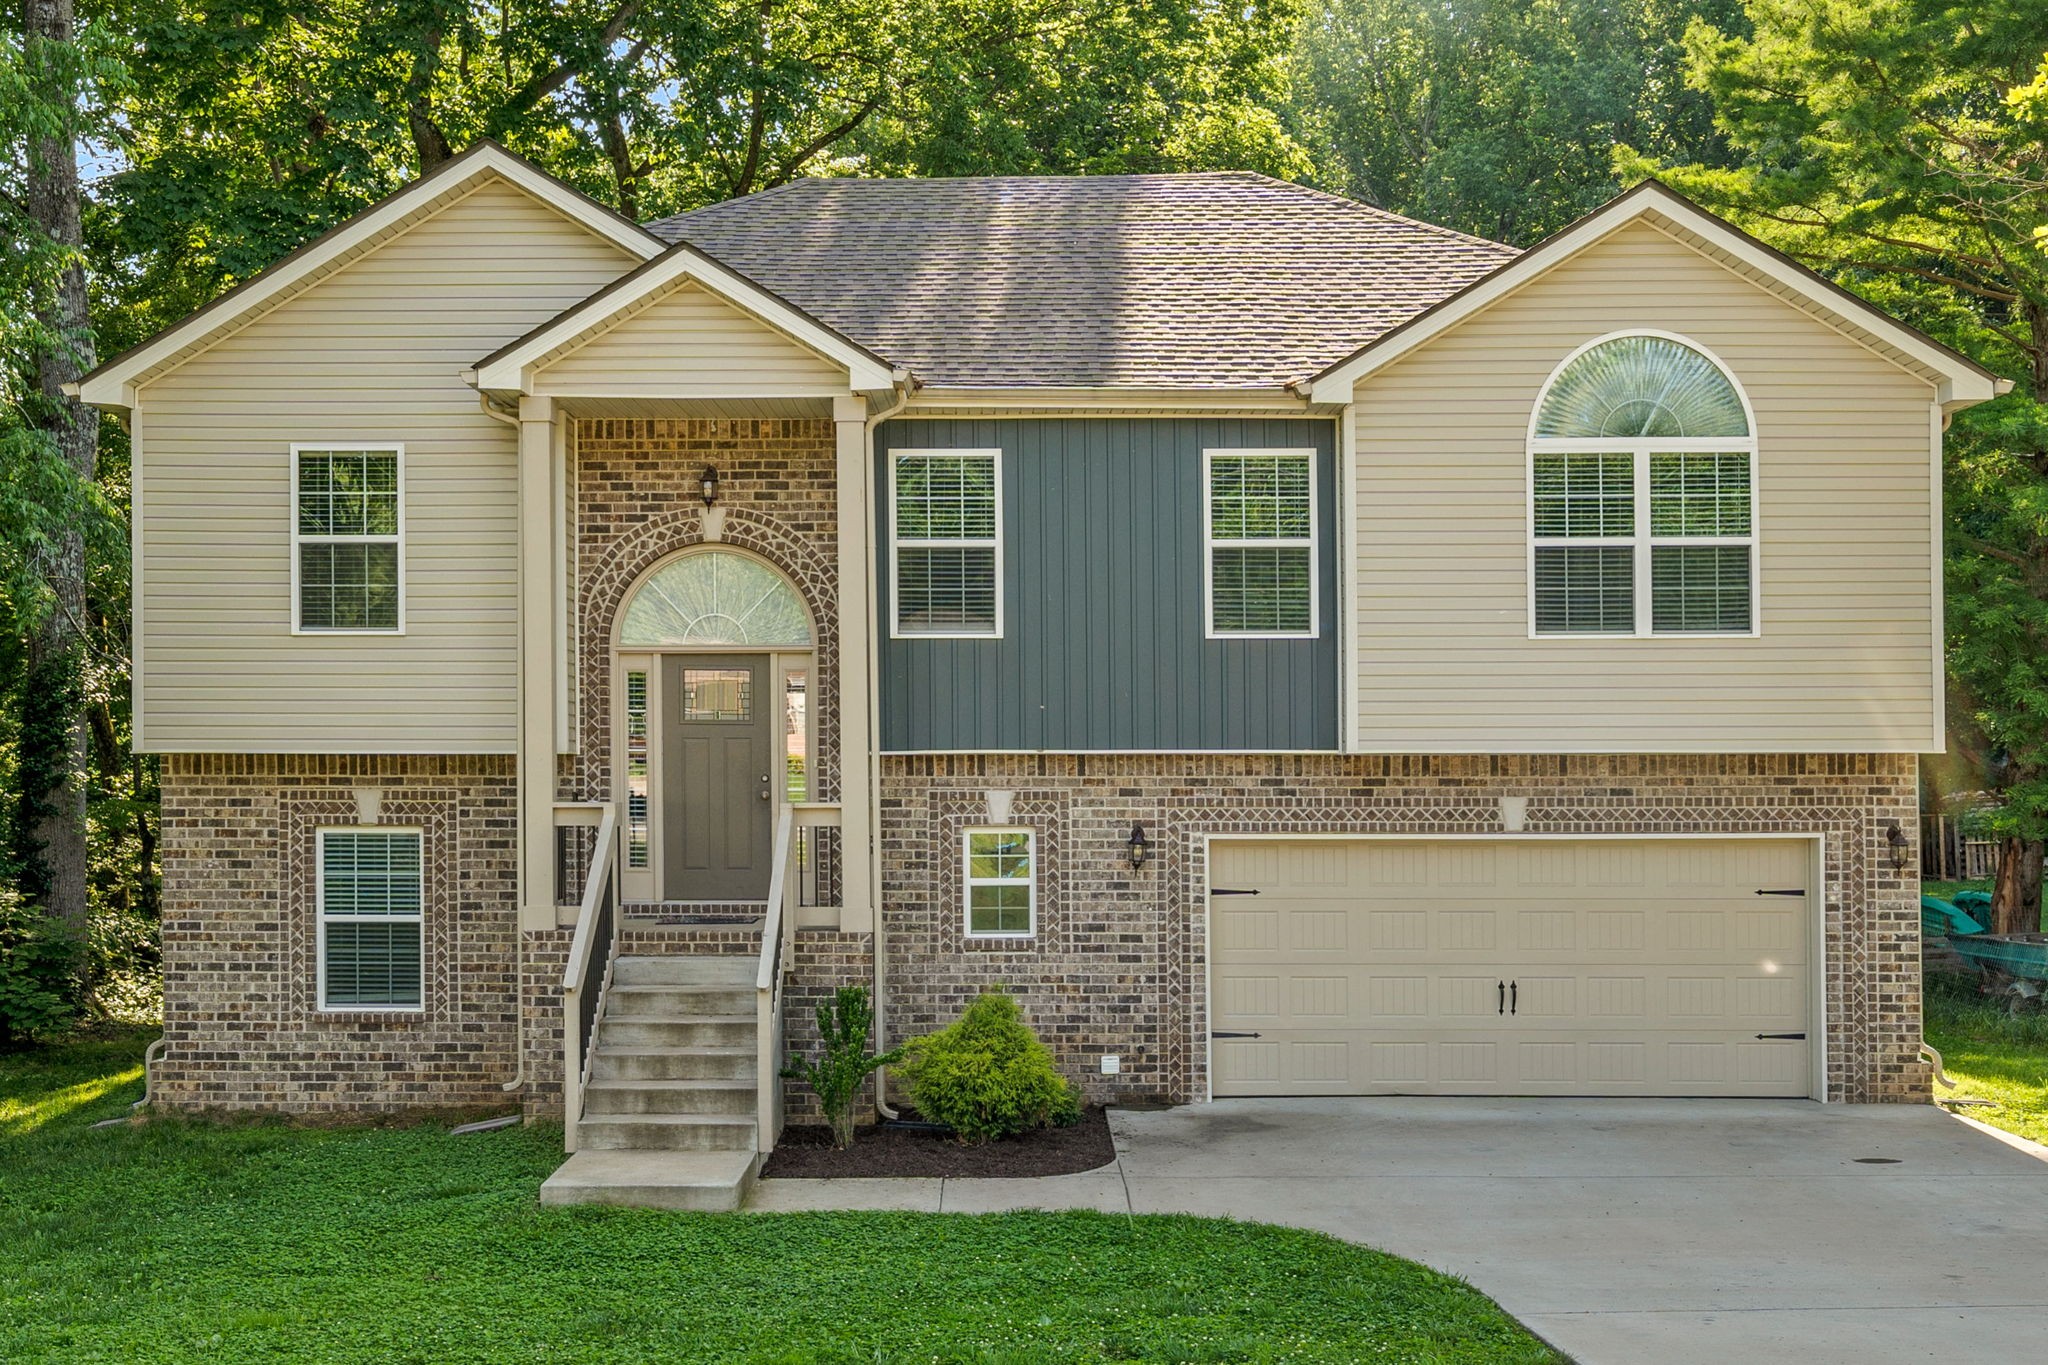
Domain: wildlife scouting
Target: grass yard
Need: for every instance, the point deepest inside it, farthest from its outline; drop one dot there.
(177, 1241)
(1994, 1055)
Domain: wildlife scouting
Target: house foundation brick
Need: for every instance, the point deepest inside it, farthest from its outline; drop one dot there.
(1119, 963)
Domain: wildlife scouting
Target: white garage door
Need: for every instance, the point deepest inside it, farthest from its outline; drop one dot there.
(1510, 967)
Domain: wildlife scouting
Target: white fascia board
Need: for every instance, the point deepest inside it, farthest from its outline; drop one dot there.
(511, 370)
(113, 384)
(1961, 384)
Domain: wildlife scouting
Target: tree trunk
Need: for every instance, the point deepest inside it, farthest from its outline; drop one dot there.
(2016, 894)
(53, 779)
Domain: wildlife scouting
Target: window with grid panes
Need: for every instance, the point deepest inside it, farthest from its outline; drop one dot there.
(1262, 546)
(1642, 485)
(346, 522)
(946, 542)
(371, 914)
(1002, 883)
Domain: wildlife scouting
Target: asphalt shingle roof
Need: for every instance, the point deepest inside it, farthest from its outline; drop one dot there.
(1222, 280)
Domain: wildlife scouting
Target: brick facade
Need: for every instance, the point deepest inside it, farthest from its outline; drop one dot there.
(242, 1024)
(1119, 961)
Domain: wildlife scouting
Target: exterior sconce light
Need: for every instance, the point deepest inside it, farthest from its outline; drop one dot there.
(708, 483)
(1895, 840)
(1138, 847)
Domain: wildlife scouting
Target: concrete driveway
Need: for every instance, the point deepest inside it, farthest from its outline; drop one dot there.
(1620, 1230)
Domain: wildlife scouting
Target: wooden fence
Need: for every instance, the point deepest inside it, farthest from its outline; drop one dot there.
(1946, 856)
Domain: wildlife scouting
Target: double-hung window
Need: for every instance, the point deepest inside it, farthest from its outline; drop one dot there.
(1002, 883)
(370, 911)
(347, 523)
(946, 542)
(1259, 522)
(1642, 470)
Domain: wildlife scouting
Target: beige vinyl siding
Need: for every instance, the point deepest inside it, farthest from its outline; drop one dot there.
(1845, 658)
(688, 343)
(372, 354)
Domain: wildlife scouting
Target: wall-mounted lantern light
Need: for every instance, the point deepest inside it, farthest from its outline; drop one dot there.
(1138, 847)
(1895, 839)
(708, 483)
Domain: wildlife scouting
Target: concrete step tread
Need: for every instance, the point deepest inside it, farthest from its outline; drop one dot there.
(681, 987)
(678, 1050)
(672, 1120)
(609, 1018)
(714, 1181)
(689, 1083)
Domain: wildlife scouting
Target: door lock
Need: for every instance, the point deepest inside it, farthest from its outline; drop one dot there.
(765, 779)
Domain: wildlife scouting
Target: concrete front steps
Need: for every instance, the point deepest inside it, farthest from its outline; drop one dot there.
(668, 1116)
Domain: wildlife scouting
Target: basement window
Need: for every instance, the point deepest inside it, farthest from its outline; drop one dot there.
(370, 907)
(1002, 883)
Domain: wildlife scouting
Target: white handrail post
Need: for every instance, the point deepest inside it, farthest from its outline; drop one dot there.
(596, 882)
(768, 987)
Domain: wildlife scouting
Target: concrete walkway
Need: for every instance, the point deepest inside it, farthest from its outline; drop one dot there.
(1620, 1230)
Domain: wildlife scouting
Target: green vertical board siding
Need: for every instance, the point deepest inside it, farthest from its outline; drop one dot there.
(1103, 644)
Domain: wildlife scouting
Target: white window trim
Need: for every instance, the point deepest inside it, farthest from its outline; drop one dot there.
(968, 881)
(320, 911)
(397, 448)
(1311, 542)
(1641, 541)
(898, 544)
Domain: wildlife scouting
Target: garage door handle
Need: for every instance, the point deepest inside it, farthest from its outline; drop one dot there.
(1502, 987)
(1233, 1035)
(1514, 993)
(1789, 1037)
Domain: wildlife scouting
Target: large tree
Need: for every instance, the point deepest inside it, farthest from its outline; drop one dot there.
(1498, 117)
(1902, 146)
(49, 80)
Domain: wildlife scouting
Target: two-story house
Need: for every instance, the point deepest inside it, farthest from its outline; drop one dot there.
(1296, 649)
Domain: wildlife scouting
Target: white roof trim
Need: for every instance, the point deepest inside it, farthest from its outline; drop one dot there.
(512, 369)
(1962, 383)
(114, 383)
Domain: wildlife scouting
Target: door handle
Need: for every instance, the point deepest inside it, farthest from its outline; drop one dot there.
(1502, 987)
(1514, 990)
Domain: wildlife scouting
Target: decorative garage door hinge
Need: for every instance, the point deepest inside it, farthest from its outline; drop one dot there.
(1233, 1035)
(1792, 1037)
(1788, 891)
(1227, 891)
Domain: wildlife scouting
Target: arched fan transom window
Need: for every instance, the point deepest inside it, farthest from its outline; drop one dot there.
(1642, 467)
(716, 597)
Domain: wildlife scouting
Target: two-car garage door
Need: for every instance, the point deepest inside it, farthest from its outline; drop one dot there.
(1510, 967)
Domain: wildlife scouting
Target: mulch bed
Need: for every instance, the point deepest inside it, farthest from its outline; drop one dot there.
(807, 1152)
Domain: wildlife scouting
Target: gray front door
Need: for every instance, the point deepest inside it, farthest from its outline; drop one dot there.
(719, 770)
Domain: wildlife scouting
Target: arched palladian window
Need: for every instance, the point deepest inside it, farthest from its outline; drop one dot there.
(1642, 466)
(715, 597)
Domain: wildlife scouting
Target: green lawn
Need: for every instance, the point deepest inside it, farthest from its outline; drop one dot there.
(1994, 1055)
(176, 1241)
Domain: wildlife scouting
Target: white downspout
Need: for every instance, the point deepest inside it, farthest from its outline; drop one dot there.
(907, 385)
(518, 1081)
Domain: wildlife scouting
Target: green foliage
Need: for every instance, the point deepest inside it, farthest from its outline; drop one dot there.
(163, 1241)
(1991, 1053)
(987, 1076)
(38, 967)
(1498, 117)
(844, 1063)
(1902, 146)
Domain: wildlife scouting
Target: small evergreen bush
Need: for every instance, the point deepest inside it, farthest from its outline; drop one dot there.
(38, 961)
(844, 1060)
(987, 1076)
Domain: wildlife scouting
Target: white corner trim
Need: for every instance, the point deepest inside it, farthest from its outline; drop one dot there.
(114, 383)
(1961, 384)
(512, 369)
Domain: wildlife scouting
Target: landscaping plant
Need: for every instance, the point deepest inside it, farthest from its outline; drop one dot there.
(844, 1061)
(987, 1075)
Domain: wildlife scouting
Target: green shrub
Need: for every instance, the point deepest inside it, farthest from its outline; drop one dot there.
(844, 1060)
(987, 1076)
(38, 963)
